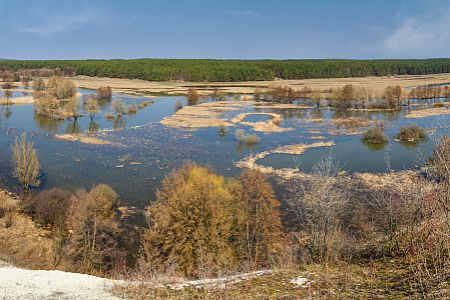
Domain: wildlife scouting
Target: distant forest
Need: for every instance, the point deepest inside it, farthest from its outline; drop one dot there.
(235, 70)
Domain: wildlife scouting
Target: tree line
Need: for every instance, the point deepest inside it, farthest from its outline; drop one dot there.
(234, 70)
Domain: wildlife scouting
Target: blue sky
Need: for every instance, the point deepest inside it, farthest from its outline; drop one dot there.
(245, 29)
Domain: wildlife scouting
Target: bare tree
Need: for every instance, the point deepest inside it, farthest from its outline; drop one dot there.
(26, 163)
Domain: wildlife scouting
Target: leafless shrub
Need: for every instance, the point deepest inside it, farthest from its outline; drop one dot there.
(319, 205)
(411, 134)
(375, 135)
(104, 93)
(25, 162)
(248, 139)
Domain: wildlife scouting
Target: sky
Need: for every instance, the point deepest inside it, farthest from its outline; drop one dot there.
(224, 29)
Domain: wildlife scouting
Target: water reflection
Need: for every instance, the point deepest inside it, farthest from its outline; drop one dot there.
(374, 146)
(119, 122)
(47, 124)
(6, 112)
(93, 126)
(73, 127)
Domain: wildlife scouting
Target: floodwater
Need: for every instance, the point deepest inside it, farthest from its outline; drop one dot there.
(143, 151)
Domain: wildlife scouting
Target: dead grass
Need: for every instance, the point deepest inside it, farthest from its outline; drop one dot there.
(428, 112)
(21, 242)
(84, 139)
(379, 279)
(376, 84)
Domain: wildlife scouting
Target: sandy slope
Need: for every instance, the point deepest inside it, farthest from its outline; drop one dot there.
(24, 284)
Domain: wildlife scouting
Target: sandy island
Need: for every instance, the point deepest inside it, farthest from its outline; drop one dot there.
(84, 139)
(250, 162)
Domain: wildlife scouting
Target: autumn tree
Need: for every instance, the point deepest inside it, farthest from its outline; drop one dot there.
(261, 233)
(191, 223)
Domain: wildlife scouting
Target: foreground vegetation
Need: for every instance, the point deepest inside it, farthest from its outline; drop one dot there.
(353, 236)
(234, 70)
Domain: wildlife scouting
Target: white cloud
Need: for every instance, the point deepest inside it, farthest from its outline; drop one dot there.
(62, 22)
(419, 37)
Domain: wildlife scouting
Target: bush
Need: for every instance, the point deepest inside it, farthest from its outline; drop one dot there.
(61, 87)
(375, 135)
(440, 161)
(51, 206)
(104, 93)
(248, 139)
(411, 134)
(192, 96)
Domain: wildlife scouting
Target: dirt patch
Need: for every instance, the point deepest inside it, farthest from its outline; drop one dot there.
(429, 112)
(21, 242)
(84, 139)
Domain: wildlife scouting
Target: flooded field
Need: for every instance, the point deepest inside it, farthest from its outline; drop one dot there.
(139, 150)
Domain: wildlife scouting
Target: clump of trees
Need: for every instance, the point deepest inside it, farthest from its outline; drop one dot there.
(57, 99)
(203, 224)
(411, 134)
(61, 88)
(375, 135)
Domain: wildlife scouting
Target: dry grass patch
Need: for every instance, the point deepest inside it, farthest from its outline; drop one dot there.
(429, 112)
(84, 139)
(21, 242)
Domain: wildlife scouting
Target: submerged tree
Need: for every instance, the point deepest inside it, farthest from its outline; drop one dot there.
(91, 106)
(26, 163)
(72, 107)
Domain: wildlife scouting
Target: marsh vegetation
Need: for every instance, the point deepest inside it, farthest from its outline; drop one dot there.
(181, 220)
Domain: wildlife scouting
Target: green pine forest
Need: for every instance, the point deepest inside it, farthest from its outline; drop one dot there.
(236, 70)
